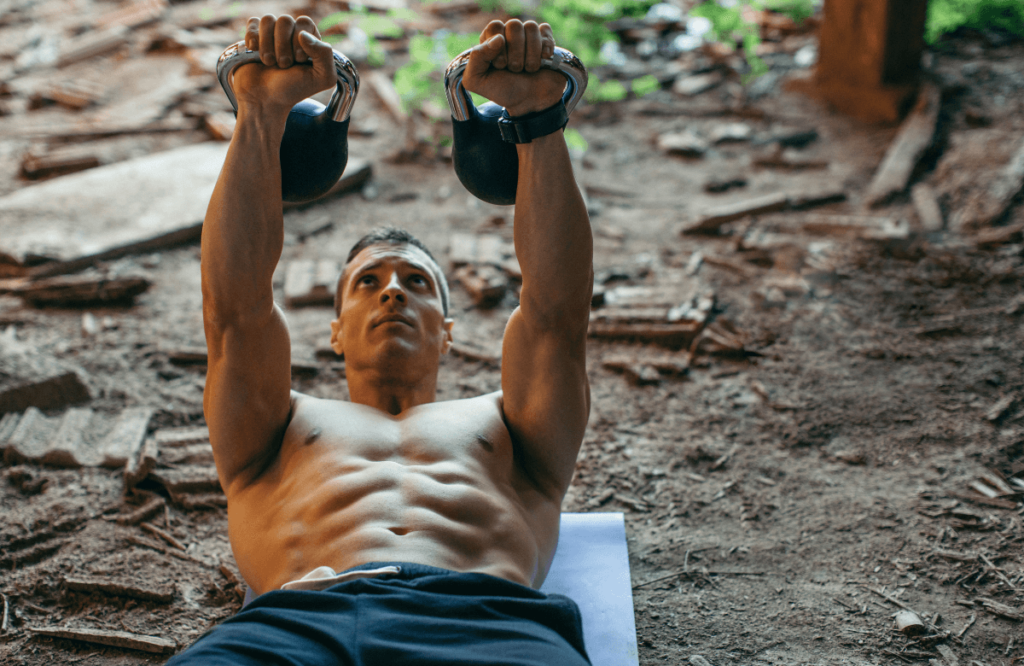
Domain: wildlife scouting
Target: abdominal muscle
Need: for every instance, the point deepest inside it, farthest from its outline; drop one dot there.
(327, 504)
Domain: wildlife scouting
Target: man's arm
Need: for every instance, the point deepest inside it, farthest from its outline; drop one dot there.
(247, 397)
(546, 396)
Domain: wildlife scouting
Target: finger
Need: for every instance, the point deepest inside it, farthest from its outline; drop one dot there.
(302, 23)
(531, 61)
(252, 34)
(495, 28)
(547, 37)
(515, 45)
(481, 58)
(283, 33)
(320, 53)
(267, 40)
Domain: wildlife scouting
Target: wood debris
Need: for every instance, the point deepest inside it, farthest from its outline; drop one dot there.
(696, 84)
(682, 144)
(91, 44)
(197, 356)
(908, 622)
(152, 506)
(81, 292)
(648, 369)
(926, 205)
(311, 283)
(987, 208)
(30, 379)
(914, 138)
(120, 639)
(114, 587)
(857, 226)
(164, 207)
(671, 315)
(485, 284)
(166, 536)
(712, 220)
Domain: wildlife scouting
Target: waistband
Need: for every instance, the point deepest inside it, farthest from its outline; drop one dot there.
(322, 578)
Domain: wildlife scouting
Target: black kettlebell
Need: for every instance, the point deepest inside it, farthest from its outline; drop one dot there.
(314, 148)
(488, 166)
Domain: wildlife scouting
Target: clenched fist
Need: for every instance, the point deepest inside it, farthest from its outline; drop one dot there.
(505, 67)
(296, 64)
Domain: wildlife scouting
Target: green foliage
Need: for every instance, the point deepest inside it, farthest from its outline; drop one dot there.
(798, 10)
(645, 85)
(575, 141)
(605, 91)
(945, 16)
(421, 79)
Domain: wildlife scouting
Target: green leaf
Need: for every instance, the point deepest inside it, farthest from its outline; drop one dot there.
(575, 141)
(645, 85)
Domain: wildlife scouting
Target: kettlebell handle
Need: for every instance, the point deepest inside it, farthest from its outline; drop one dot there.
(346, 88)
(563, 61)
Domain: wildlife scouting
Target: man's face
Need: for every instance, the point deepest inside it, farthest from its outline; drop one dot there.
(392, 317)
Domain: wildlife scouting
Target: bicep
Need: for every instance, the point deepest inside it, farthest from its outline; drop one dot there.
(247, 399)
(546, 398)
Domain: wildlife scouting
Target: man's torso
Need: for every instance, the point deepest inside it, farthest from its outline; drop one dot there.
(438, 485)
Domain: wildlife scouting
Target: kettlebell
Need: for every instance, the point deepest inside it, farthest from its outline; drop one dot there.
(488, 166)
(314, 148)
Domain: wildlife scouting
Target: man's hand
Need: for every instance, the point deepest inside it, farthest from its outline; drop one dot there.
(296, 64)
(505, 67)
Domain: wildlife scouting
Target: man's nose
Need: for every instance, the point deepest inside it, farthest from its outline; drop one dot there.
(393, 289)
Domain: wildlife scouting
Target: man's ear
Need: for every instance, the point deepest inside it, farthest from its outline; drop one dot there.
(446, 343)
(336, 338)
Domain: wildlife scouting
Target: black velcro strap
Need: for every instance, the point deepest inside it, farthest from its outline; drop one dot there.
(524, 129)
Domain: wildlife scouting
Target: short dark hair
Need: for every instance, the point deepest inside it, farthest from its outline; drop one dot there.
(390, 236)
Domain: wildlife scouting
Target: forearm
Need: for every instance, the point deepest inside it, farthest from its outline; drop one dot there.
(553, 238)
(243, 232)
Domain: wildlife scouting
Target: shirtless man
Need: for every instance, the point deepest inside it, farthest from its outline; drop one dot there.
(441, 517)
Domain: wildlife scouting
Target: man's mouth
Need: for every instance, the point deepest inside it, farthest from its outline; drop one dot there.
(388, 318)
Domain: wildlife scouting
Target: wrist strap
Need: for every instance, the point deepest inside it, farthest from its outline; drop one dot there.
(524, 129)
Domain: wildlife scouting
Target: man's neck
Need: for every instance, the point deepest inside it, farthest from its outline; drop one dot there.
(390, 394)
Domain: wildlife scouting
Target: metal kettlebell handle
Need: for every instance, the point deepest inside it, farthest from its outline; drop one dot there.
(562, 61)
(488, 166)
(314, 148)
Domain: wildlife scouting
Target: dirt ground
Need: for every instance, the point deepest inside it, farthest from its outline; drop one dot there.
(780, 503)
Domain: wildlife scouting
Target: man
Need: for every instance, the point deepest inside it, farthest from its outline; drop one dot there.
(441, 517)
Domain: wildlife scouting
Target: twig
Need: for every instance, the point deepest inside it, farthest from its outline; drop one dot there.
(891, 599)
(146, 543)
(1009, 646)
(3, 624)
(967, 626)
(999, 572)
(156, 531)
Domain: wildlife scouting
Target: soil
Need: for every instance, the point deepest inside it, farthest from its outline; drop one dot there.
(780, 503)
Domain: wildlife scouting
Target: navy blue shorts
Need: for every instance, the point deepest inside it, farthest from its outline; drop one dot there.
(422, 615)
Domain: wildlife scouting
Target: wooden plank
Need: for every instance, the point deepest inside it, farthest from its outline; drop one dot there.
(133, 15)
(712, 220)
(139, 467)
(67, 447)
(91, 216)
(121, 639)
(914, 137)
(380, 83)
(92, 44)
(78, 292)
(117, 588)
(126, 437)
(35, 380)
(29, 439)
(185, 436)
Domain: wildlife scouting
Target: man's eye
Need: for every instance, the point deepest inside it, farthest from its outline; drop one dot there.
(366, 279)
(418, 279)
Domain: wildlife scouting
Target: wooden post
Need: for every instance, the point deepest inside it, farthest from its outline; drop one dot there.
(869, 57)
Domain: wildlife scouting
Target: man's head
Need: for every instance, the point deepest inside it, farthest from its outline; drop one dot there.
(392, 306)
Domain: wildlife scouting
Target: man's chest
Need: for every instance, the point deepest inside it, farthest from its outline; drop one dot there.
(470, 433)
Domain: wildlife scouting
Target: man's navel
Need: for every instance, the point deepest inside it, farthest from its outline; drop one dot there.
(313, 435)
